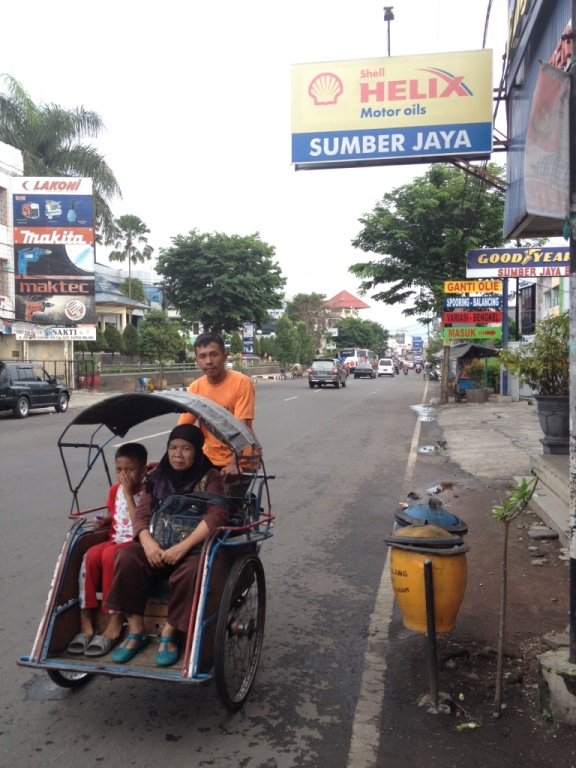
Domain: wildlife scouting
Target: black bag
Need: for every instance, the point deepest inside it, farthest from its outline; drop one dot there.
(177, 516)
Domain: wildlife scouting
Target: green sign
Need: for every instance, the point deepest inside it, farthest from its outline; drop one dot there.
(471, 332)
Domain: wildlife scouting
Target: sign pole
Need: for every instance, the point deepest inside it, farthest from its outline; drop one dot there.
(572, 349)
(505, 331)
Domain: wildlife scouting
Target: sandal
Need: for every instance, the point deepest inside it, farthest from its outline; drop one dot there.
(80, 643)
(122, 654)
(164, 657)
(100, 645)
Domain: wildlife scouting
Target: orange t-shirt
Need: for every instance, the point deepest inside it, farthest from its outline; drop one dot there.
(235, 393)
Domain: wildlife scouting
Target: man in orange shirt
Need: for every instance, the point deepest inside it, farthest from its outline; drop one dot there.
(232, 390)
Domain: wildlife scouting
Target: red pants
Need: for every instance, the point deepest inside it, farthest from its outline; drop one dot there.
(99, 567)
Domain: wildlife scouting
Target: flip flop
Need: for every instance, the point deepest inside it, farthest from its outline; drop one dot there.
(100, 645)
(122, 654)
(80, 643)
(164, 657)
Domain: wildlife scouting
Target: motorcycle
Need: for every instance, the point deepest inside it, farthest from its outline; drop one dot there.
(418, 368)
(405, 370)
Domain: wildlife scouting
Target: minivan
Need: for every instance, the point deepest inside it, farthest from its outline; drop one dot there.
(327, 370)
(386, 367)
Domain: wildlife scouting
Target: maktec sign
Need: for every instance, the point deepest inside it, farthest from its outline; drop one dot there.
(392, 110)
(472, 286)
(472, 332)
(547, 261)
(452, 318)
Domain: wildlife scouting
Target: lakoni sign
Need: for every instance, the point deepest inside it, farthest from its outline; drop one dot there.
(548, 261)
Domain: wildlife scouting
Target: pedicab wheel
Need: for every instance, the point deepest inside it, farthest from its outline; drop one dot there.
(240, 631)
(68, 679)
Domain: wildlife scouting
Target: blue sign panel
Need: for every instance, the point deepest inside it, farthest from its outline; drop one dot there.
(486, 302)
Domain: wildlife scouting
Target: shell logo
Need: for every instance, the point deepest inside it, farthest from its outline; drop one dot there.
(325, 88)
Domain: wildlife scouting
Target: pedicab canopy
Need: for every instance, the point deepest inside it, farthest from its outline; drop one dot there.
(122, 412)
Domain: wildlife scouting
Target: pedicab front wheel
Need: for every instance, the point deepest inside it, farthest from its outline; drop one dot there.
(240, 631)
(66, 679)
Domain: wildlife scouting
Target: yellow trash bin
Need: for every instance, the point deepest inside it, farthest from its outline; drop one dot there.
(410, 547)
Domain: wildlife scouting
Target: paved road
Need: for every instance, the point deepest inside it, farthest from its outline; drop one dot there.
(340, 457)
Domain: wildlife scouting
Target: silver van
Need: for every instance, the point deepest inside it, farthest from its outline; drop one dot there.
(386, 367)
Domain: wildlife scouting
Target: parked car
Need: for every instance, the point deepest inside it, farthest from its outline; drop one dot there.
(24, 386)
(364, 370)
(326, 370)
(386, 367)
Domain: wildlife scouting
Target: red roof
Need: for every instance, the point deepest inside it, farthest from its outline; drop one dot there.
(346, 300)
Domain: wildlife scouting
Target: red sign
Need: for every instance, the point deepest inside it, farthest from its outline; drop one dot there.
(472, 317)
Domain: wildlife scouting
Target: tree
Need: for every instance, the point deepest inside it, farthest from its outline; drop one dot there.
(159, 339)
(305, 344)
(114, 339)
(313, 310)
(130, 232)
(236, 344)
(285, 343)
(130, 338)
(421, 233)
(51, 141)
(137, 290)
(364, 334)
(99, 344)
(221, 280)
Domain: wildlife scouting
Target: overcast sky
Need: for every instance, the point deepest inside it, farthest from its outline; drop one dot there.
(196, 101)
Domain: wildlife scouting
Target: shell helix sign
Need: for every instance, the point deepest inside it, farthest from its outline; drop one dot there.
(393, 110)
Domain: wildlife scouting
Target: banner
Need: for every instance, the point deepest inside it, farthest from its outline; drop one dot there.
(54, 258)
(546, 155)
(392, 110)
(548, 261)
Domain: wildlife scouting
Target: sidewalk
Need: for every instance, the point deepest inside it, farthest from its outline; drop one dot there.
(469, 456)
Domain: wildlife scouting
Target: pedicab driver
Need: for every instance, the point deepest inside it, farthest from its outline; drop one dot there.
(232, 390)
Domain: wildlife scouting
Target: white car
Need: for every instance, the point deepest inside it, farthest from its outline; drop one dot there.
(386, 367)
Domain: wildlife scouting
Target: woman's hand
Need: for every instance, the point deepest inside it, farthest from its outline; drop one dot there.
(174, 554)
(153, 551)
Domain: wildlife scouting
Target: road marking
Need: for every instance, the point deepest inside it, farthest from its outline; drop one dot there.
(365, 739)
(290, 398)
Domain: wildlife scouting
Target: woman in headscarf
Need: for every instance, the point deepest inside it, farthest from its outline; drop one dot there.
(183, 468)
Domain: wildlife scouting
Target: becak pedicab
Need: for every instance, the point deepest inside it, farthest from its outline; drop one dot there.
(226, 631)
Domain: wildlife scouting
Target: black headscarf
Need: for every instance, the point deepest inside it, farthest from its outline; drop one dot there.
(165, 481)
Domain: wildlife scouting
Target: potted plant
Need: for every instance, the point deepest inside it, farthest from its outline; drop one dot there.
(543, 365)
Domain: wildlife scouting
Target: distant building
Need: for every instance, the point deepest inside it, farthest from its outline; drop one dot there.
(345, 305)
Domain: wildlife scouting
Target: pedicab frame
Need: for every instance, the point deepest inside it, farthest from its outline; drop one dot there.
(226, 631)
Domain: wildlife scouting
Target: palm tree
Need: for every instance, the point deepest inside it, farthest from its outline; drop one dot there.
(130, 231)
(51, 141)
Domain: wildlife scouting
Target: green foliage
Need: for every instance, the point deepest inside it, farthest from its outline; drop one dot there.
(313, 310)
(51, 140)
(130, 233)
(494, 373)
(517, 501)
(221, 280)
(476, 372)
(285, 343)
(159, 338)
(99, 345)
(544, 363)
(421, 232)
(130, 338)
(305, 344)
(366, 334)
(133, 288)
(236, 344)
(114, 339)
(434, 348)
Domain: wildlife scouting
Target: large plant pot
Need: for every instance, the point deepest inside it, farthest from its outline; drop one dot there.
(554, 418)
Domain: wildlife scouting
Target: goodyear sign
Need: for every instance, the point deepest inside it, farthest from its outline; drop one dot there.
(547, 261)
(472, 286)
(392, 110)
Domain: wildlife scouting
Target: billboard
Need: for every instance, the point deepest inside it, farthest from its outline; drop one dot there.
(547, 261)
(392, 110)
(54, 258)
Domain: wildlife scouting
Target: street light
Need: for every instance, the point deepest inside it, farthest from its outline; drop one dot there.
(388, 17)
